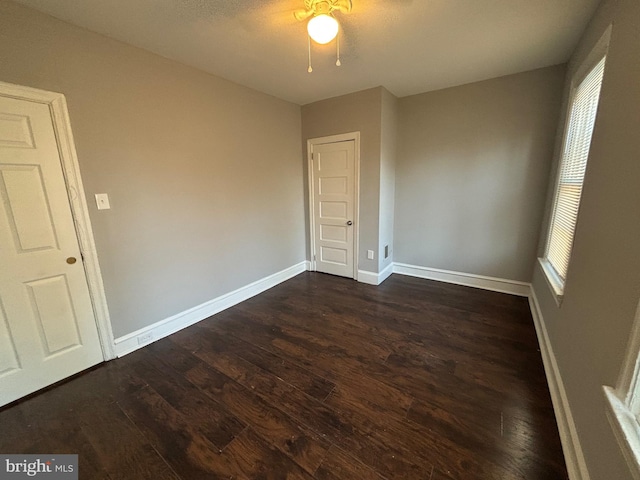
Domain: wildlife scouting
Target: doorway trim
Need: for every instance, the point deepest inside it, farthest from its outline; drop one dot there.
(75, 192)
(343, 137)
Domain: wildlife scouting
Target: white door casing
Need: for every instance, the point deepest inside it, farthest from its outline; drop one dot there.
(48, 327)
(333, 189)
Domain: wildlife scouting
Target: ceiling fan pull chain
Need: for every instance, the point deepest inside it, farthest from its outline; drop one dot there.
(310, 69)
(338, 62)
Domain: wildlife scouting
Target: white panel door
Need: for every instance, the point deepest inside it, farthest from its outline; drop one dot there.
(334, 202)
(47, 326)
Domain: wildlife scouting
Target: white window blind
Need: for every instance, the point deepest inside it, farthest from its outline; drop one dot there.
(573, 164)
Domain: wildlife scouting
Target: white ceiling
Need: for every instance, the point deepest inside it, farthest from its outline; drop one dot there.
(407, 46)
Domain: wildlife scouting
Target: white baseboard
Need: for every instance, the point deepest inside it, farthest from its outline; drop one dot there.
(138, 339)
(372, 278)
(385, 273)
(574, 458)
(367, 277)
(501, 285)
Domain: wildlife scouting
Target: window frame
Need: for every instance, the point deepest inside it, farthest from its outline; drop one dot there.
(598, 52)
(623, 402)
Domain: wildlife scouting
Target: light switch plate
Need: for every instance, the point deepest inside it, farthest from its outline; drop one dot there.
(102, 201)
(370, 254)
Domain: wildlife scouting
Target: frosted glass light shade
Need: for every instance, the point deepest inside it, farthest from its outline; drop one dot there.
(322, 28)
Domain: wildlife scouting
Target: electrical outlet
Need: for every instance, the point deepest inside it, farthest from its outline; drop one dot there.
(102, 201)
(146, 338)
(386, 251)
(370, 254)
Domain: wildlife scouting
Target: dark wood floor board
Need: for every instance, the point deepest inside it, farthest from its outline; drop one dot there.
(271, 326)
(213, 420)
(367, 387)
(434, 331)
(275, 391)
(525, 420)
(317, 378)
(319, 332)
(495, 378)
(426, 305)
(339, 465)
(52, 418)
(212, 341)
(121, 450)
(416, 440)
(500, 443)
(469, 299)
(63, 436)
(412, 381)
(258, 459)
(340, 331)
(315, 314)
(445, 390)
(180, 443)
(108, 382)
(477, 361)
(296, 440)
(328, 423)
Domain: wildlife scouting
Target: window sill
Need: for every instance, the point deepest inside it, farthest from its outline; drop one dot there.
(555, 284)
(626, 429)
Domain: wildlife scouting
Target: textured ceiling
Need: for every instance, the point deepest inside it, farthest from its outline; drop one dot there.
(407, 46)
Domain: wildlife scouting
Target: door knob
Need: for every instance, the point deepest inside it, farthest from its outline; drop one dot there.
(349, 222)
(71, 260)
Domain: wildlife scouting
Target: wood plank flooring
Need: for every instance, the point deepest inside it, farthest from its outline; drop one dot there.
(318, 378)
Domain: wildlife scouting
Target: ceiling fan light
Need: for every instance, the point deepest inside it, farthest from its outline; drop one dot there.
(322, 28)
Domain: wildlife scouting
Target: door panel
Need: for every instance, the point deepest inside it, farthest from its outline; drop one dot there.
(8, 354)
(47, 326)
(27, 207)
(333, 185)
(52, 308)
(334, 233)
(334, 207)
(336, 256)
(15, 131)
(337, 210)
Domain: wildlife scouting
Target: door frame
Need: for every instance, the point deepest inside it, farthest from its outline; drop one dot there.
(343, 137)
(79, 210)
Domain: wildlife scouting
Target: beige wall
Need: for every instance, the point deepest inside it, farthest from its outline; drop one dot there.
(589, 332)
(471, 174)
(361, 112)
(388, 154)
(204, 176)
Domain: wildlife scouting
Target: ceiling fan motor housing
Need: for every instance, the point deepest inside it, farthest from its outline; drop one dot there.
(322, 8)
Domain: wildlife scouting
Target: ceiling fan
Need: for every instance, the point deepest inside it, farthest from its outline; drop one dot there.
(322, 7)
(323, 27)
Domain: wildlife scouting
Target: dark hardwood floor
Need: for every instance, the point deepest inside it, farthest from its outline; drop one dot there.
(318, 378)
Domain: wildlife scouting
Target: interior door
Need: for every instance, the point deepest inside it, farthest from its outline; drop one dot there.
(47, 326)
(334, 206)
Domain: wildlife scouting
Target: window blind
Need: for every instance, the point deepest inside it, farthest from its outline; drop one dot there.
(573, 164)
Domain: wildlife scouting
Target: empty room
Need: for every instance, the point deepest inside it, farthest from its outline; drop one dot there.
(320, 239)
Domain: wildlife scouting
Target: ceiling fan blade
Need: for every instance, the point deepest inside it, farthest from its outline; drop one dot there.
(302, 14)
(343, 5)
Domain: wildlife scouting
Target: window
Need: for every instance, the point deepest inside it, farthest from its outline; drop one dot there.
(583, 107)
(623, 402)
